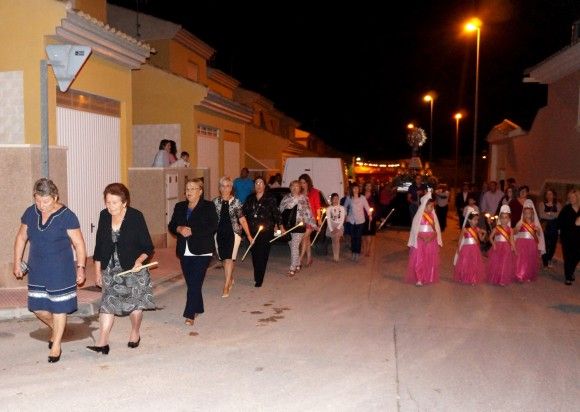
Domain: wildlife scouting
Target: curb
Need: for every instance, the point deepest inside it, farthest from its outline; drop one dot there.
(88, 308)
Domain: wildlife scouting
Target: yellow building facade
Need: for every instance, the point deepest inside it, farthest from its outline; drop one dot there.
(97, 103)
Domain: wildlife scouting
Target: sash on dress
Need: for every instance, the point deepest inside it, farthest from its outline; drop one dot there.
(503, 232)
(429, 220)
(531, 230)
(473, 233)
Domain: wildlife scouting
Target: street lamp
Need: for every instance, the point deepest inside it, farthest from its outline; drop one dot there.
(430, 99)
(475, 25)
(457, 117)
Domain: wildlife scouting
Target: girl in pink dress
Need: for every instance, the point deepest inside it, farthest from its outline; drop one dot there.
(424, 243)
(468, 259)
(529, 244)
(501, 256)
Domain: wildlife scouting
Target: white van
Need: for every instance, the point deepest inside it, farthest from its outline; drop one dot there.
(328, 173)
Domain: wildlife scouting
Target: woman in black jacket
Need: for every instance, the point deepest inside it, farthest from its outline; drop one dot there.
(569, 224)
(123, 243)
(194, 222)
(260, 210)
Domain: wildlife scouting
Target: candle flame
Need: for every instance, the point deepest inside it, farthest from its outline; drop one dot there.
(261, 227)
(300, 224)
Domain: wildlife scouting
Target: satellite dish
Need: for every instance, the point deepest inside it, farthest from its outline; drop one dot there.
(66, 61)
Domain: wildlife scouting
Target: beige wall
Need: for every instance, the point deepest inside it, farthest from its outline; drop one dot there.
(551, 150)
(19, 168)
(160, 97)
(22, 46)
(180, 56)
(96, 8)
(148, 195)
(265, 145)
(24, 25)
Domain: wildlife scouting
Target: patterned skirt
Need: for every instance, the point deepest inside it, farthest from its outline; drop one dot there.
(122, 294)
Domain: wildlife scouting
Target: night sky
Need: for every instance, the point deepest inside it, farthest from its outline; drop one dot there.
(356, 75)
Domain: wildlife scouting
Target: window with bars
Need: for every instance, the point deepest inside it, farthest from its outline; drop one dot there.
(209, 131)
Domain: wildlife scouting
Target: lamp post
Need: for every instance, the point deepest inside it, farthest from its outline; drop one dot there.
(430, 99)
(475, 25)
(457, 118)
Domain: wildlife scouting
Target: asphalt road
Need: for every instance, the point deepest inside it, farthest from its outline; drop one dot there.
(339, 337)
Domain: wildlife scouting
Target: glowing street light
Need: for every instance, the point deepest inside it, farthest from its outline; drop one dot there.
(475, 25)
(457, 118)
(429, 98)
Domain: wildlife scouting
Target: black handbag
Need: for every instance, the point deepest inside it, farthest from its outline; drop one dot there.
(289, 221)
(289, 217)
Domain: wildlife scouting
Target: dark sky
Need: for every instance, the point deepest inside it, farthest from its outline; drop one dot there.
(355, 75)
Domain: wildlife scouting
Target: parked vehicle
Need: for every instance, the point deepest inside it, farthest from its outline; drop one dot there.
(328, 173)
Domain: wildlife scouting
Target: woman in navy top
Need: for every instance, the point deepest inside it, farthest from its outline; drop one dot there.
(50, 228)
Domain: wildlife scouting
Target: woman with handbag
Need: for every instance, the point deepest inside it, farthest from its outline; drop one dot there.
(295, 209)
(231, 222)
(122, 243)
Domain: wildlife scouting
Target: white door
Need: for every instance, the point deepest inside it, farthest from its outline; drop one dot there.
(208, 156)
(231, 159)
(93, 161)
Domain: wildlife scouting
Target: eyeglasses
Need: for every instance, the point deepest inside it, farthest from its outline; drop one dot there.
(260, 183)
(190, 189)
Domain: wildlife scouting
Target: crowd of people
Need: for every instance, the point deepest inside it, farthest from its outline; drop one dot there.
(516, 231)
(509, 229)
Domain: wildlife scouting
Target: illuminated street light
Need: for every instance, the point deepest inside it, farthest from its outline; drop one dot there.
(475, 25)
(457, 118)
(429, 98)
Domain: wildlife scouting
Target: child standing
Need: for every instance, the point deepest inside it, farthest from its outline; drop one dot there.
(468, 259)
(335, 224)
(501, 255)
(424, 243)
(529, 240)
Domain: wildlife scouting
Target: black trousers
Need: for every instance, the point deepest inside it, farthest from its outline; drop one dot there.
(551, 238)
(260, 254)
(441, 212)
(571, 254)
(194, 269)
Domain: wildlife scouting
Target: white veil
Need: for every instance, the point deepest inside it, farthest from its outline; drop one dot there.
(417, 222)
(528, 204)
(468, 211)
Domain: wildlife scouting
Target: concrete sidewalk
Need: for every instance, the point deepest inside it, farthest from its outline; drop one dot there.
(14, 301)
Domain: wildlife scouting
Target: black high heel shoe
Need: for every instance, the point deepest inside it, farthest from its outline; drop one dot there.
(54, 359)
(99, 349)
(134, 344)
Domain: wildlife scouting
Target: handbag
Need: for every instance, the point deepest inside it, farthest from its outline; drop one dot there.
(24, 268)
(289, 217)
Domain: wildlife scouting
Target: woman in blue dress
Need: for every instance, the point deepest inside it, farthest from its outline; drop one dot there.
(50, 228)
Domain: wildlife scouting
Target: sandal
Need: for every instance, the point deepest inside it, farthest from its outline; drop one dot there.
(298, 268)
(291, 273)
(189, 322)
